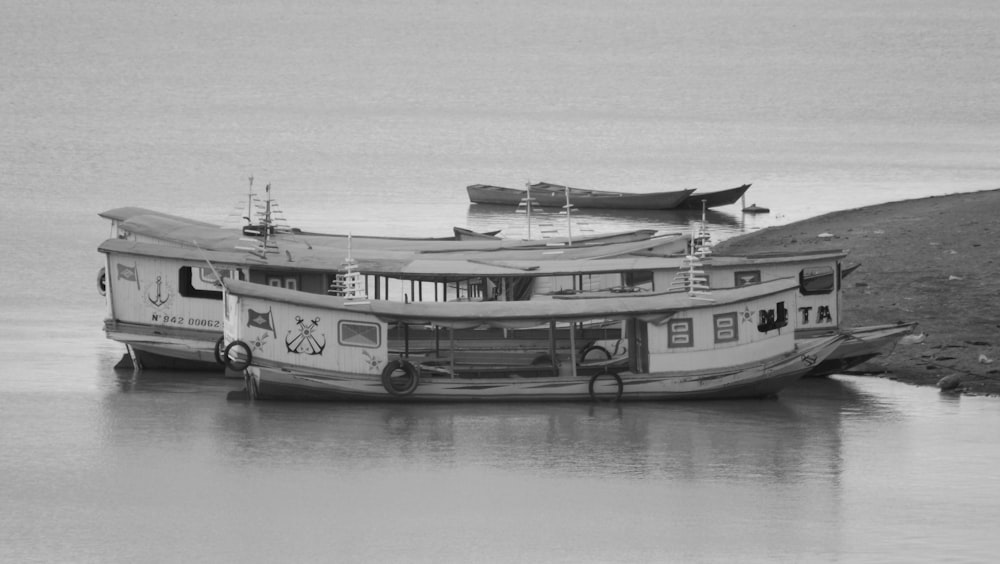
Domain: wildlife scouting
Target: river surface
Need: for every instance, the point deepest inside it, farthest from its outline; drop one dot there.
(371, 118)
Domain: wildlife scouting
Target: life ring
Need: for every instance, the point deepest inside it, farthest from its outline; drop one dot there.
(592, 348)
(102, 282)
(219, 346)
(400, 385)
(618, 379)
(237, 364)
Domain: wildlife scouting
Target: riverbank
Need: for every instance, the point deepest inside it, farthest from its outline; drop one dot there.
(931, 260)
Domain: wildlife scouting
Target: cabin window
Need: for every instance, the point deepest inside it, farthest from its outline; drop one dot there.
(746, 277)
(196, 283)
(356, 334)
(290, 282)
(633, 278)
(727, 328)
(680, 333)
(816, 280)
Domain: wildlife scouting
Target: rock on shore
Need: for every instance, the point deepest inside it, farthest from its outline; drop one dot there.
(931, 260)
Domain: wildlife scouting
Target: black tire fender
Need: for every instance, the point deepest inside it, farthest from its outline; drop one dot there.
(217, 351)
(618, 379)
(102, 282)
(392, 384)
(237, 364)
(592, 348)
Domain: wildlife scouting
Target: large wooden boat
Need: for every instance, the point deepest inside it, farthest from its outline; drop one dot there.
(164, 303)
(736, 344)
(179, 324)
(701, 200)
(549, 195)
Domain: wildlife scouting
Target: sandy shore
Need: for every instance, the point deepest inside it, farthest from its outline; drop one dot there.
(931, 260)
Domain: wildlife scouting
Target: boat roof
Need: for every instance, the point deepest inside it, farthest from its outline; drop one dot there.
(129, 212)
(185, 231)
(442, 267)
(653, 307)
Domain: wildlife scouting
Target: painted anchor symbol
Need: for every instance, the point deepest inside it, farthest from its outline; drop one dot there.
(307, 341)
(159, 300)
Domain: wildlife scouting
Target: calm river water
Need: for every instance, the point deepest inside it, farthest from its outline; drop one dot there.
(372, 118)
(160, 467)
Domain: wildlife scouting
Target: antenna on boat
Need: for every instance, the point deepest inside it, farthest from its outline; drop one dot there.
(692, 278)
(569, 221)
(269, 223)
(348, 284)
(527, 203)
(250, 199)
(701, 243)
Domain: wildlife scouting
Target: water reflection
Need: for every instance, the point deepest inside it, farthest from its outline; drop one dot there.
(823, 460)
(789, 439)
(793, 438)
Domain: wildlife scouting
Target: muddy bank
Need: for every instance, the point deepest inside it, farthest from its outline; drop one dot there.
(931, 260)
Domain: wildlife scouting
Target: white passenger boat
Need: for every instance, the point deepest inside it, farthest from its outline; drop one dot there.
(165, 305)
(682, 345)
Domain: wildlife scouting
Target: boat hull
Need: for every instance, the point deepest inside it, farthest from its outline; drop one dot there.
(861, 345)
(152, 347)
(582, 199)
(748, 381)
(698, 200)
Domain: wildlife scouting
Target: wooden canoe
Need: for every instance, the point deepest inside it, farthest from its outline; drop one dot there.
(547, 195)
(713, 199)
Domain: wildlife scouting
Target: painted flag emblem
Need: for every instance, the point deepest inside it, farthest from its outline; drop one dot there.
(259, 320)
(126, 272)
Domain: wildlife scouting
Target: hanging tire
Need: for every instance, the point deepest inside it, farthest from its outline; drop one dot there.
(217, 351)
(237, 364)
(102, 282)
(598, 349)
(400, 378)
(618, 380)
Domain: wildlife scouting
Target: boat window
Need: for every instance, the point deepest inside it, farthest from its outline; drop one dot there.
(680, 333)
(816, 280)
(745, 277)
(356, 334)
(207, 278)
(193, 283)
(290, 282)
(635, 278)
(727, 329)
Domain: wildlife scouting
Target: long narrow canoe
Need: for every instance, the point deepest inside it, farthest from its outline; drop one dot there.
(549, 195)
(713, 199)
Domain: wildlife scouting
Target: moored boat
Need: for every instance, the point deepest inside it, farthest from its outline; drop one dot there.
(861, 345)
(550, 195)
(179, 324)
(164, 303)
(713, 199)
(294, 345)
